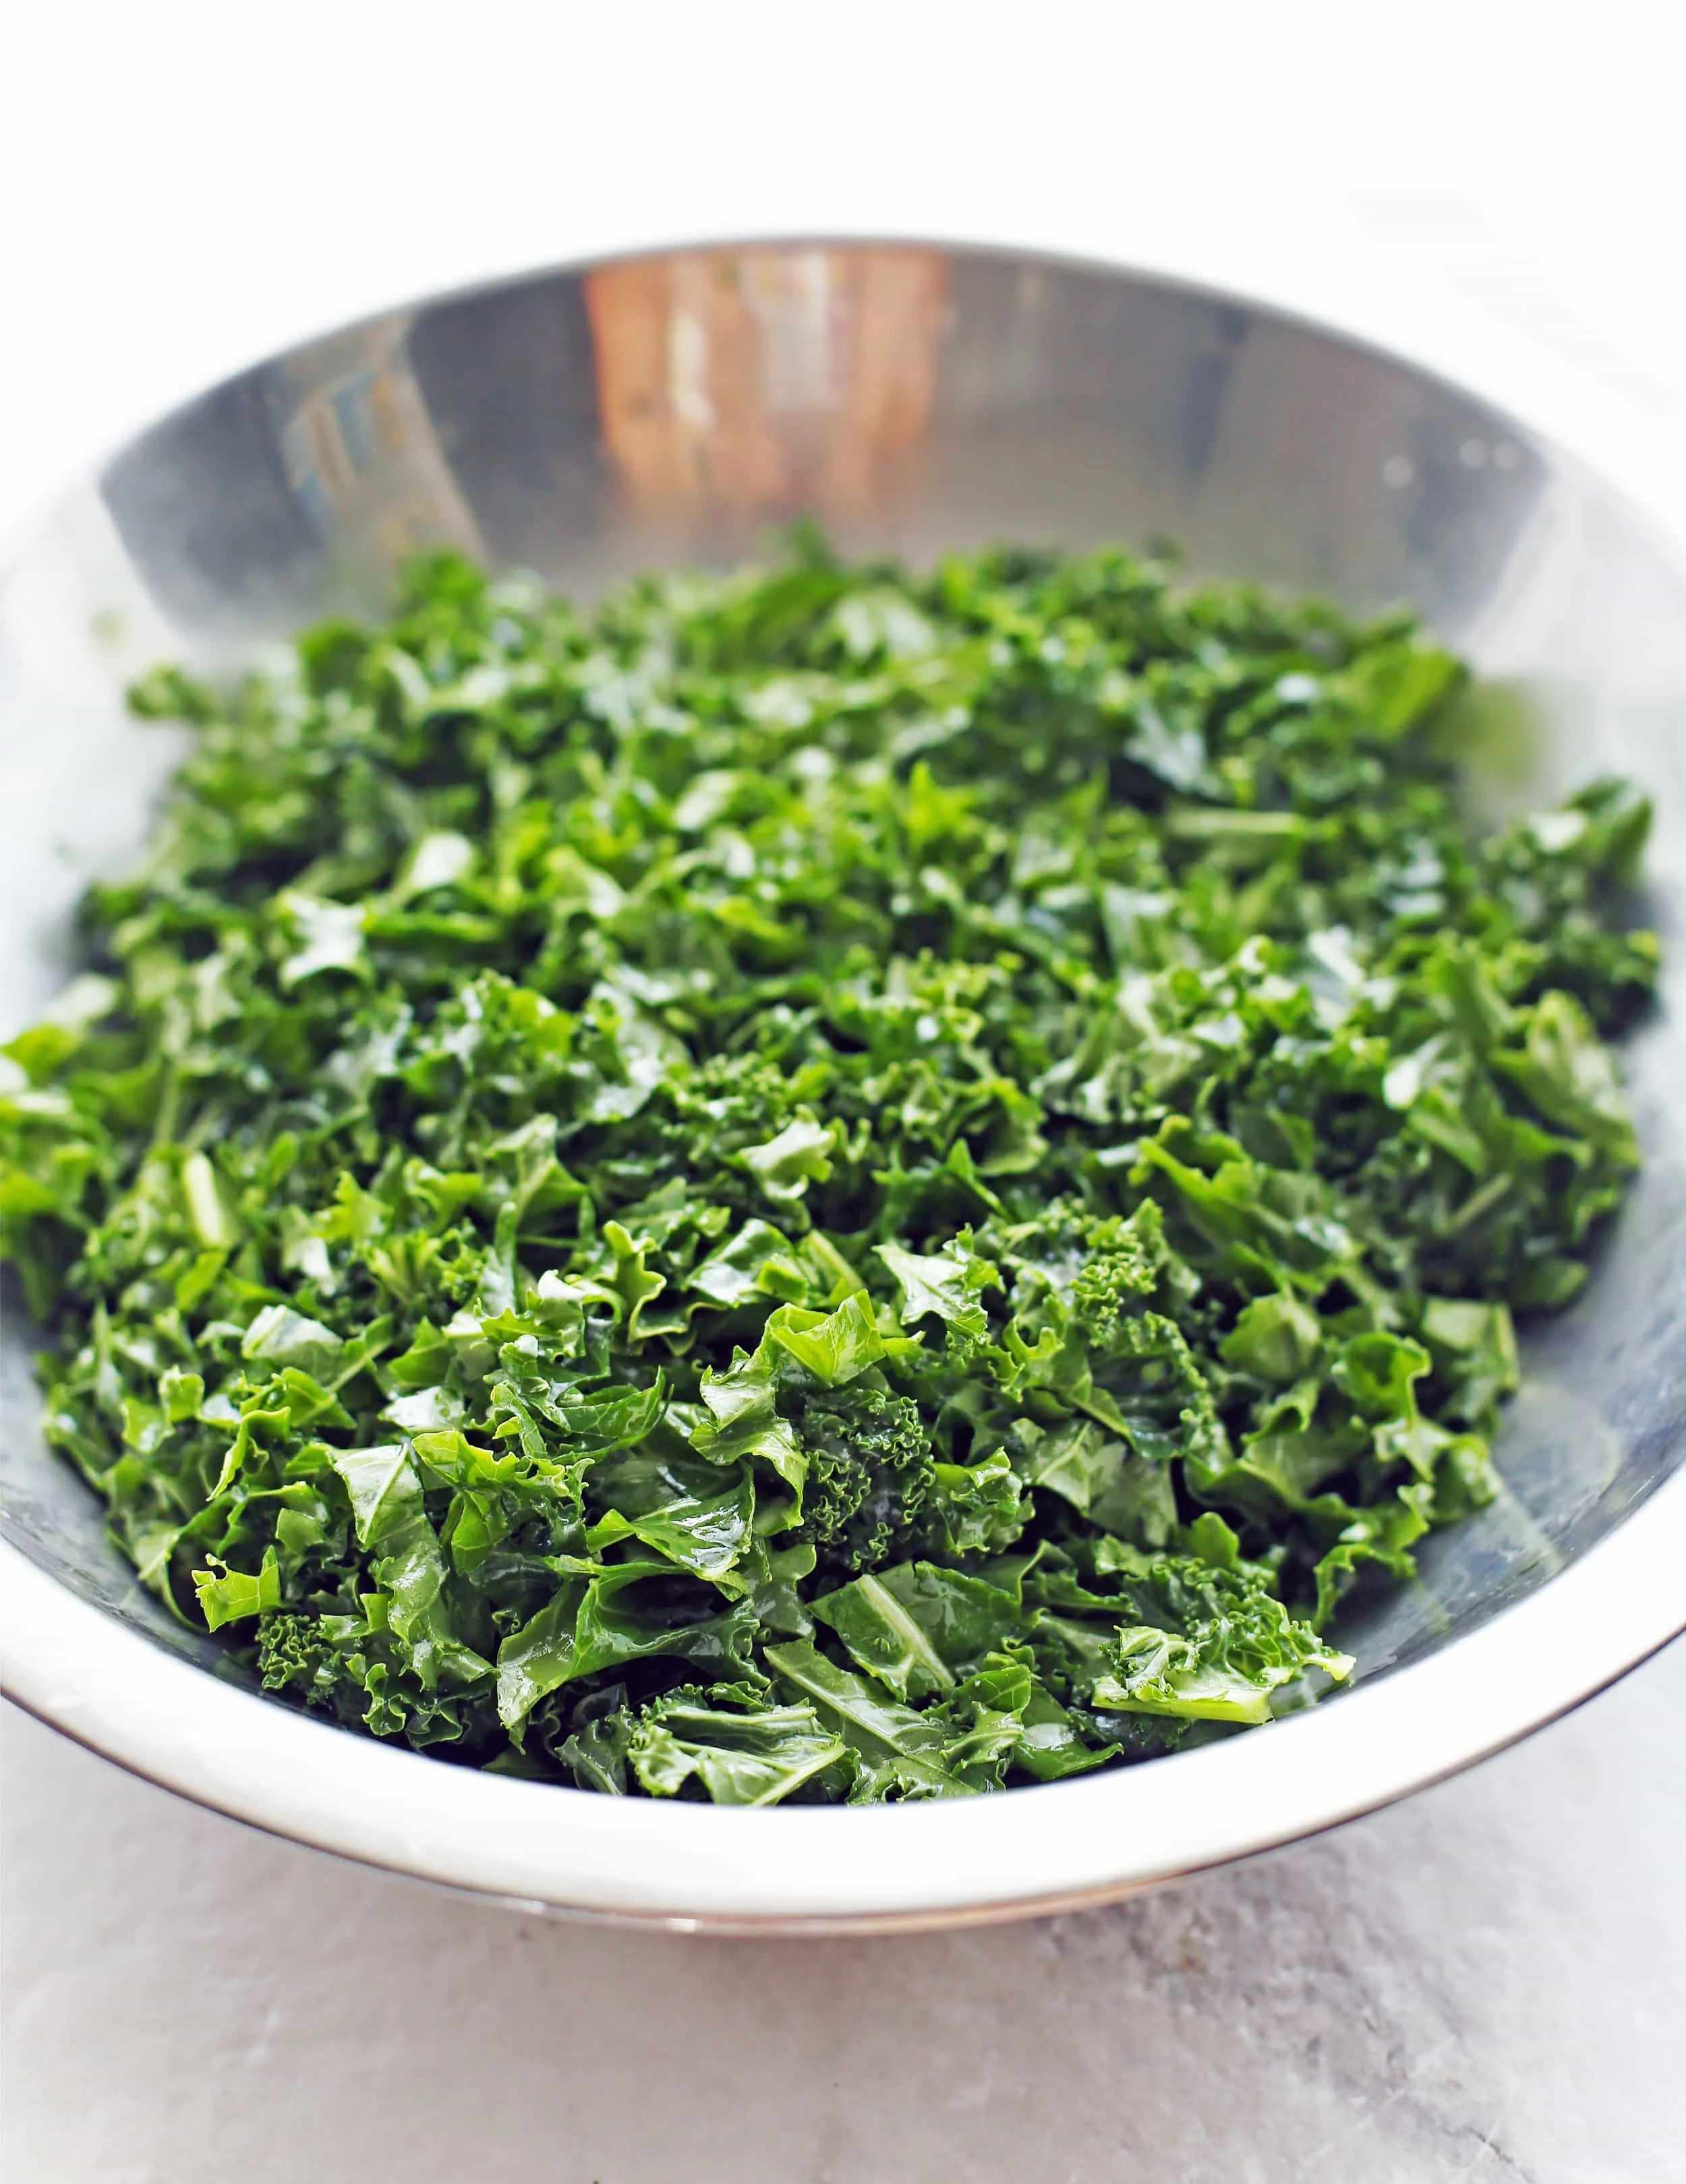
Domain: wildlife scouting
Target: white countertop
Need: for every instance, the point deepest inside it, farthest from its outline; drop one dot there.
(1486, 1983)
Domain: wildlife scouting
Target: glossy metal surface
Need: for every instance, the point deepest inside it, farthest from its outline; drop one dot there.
(669, 410)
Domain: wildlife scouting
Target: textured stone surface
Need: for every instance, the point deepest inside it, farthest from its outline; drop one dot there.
(1486, 1983)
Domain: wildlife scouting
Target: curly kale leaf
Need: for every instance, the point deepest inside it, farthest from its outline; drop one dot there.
(870, 1473)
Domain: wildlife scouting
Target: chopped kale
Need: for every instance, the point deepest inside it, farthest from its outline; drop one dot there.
(825, 1184)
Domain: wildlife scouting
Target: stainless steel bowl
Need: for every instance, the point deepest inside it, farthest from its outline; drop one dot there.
(670, 410)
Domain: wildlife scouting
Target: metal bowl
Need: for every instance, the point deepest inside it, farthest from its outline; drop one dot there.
(668, 409)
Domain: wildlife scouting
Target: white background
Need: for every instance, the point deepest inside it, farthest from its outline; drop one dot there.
(1489, 1984)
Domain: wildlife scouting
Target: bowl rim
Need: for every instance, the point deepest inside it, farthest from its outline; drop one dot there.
(816, 1869)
